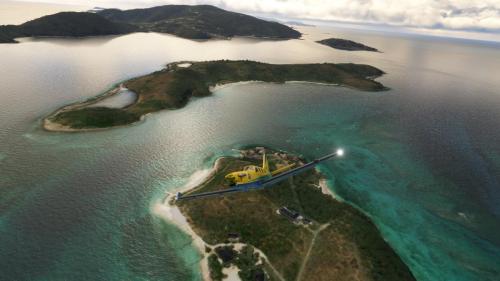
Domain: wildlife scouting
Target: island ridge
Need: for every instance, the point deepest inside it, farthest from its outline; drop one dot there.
(192, 22)
(173, 86)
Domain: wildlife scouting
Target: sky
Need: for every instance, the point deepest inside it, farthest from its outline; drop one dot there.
(477, 15)
(474, 15)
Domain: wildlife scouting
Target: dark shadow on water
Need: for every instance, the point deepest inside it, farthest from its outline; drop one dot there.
(71, 41)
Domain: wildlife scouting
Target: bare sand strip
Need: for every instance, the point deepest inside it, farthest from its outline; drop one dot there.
(171, 213)
(48, 125)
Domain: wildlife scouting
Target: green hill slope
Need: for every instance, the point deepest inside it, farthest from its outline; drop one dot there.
(8, 33)
(72, 24)
(192, 22)
(200, 22)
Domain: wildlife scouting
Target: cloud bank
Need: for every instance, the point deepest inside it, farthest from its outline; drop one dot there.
(478, 15)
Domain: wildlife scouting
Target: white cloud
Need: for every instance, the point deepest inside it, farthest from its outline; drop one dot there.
(445, 14)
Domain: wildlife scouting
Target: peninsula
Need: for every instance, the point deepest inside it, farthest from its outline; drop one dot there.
(173, 86)
(347, 45)
(295, 230)
(192, 22)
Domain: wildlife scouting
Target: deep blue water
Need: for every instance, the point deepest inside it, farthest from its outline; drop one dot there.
(422, 159)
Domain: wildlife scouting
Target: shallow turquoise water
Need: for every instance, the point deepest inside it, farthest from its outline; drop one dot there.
(422, 159)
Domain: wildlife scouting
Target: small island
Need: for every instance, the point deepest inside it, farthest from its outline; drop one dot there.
(347, 45)
(295, 230)
(173, 86)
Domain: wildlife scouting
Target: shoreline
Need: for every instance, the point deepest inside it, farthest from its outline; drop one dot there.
(170, 213)
(157, 96)
(50, 126)
(24, 39)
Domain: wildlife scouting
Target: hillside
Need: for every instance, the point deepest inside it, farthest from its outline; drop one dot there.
(192, 22)
(8, 33)
(74, 24)
(200, 22)
(71, 24)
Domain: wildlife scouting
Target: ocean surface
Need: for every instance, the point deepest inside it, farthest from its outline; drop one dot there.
(422, 159)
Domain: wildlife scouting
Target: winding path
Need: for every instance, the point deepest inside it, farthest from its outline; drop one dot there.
(306, 257)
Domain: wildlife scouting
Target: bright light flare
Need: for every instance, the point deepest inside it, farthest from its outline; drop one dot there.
(340, 152)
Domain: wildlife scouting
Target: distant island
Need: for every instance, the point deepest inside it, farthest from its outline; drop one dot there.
(298, 23)
(295, 230)
(348, 45)
(173, 86)
(192, 22)
(65, 24)
(200, 22)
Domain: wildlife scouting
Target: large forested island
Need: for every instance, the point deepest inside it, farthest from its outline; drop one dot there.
(173, 86)
(193, 22)
(295, 230)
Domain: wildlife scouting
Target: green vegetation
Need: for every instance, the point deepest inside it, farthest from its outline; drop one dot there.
(247, 260)
(8, 33)
(200, 22)
(95, 117)
(173, 87)
(215, 268)
(227, 254)
(348, 45)
(340, 244)
(247, 263)
(72, 24)
(193, 22)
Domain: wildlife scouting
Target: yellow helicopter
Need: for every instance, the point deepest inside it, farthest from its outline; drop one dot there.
(254, 173)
